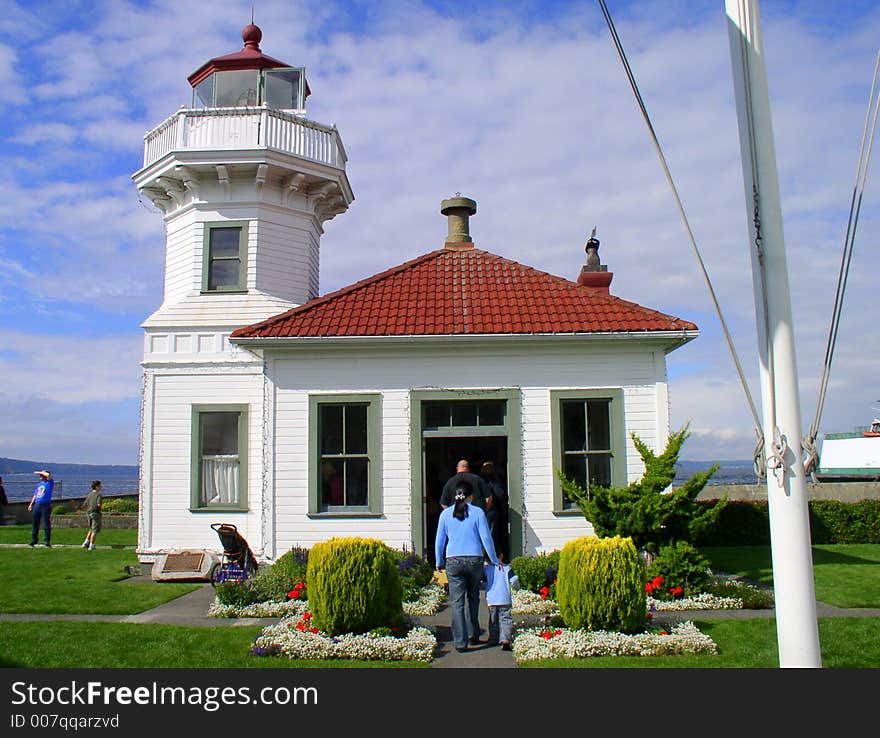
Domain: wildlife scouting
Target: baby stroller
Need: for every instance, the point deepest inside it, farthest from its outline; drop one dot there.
(238, 562)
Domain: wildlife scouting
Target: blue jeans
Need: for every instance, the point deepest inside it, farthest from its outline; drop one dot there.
(500, 623)
(42, 511)
(465, 574)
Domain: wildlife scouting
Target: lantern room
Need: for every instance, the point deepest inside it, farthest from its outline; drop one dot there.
(249, 78)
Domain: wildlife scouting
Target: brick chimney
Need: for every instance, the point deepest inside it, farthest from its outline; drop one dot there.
(594, 276)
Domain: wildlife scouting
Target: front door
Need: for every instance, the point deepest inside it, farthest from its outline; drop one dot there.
(441, 455)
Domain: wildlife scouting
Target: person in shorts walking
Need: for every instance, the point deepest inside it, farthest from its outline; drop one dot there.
(92, 506)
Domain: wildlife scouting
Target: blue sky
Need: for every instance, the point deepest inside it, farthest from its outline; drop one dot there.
(522, 106)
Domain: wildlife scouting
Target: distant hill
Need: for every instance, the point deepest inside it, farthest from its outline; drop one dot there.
(23, 466)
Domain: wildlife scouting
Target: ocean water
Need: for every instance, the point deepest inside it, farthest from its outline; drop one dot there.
(21, 486)
(730, 472)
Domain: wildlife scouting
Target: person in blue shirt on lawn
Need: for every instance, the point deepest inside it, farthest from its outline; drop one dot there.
(41, 504)
(462, 534)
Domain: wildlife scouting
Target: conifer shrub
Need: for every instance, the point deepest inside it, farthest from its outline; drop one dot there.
(601, 585)
(354, 585)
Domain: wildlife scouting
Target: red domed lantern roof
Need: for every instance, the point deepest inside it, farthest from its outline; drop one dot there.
(250, 57)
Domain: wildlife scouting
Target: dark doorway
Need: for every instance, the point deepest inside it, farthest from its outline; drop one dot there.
(441, 456)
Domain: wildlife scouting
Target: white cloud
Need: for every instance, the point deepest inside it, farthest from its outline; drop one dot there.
(532, 117)
(70, 370)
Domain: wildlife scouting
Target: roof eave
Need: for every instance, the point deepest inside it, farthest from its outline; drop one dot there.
(670, 339)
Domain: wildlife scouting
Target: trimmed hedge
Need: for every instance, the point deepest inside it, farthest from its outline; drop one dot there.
(354, 585)
(601, 585)
(745, 523)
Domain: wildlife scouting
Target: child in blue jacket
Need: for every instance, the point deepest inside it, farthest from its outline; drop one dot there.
(500, 579)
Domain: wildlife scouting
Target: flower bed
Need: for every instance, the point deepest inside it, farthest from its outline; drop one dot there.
(525, 602)
(430, 599)
(702, 601)
(294, 638)
(555, 643)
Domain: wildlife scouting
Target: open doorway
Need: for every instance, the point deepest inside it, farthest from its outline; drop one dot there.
(442, 453)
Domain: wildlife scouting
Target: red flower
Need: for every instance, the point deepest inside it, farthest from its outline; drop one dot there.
(313, 630)
(649, 588)
(657, 581)
(293, 594)
(558, 632)
(650, 615)
(664, 632)
(300, 625)
(676, 591)
(546, 635)
(544, 592)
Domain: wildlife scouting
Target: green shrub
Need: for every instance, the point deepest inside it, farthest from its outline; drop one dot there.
(415, 572)
(747, 523)
(273, 582)
(647, 510)
(833, 521)
(601, 585)
(752, 597)
(59, 510)
(680, 565)
(240, 594)
(741, 523)
(122, 505)
(354, 585)
(535, 572)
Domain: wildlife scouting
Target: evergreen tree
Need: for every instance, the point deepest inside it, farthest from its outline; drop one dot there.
(642, 510)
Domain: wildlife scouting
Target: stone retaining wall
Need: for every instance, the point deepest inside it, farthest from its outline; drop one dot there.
(843, 491)
(17, 513)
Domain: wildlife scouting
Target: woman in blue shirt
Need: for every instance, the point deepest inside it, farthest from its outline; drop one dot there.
(462, 534)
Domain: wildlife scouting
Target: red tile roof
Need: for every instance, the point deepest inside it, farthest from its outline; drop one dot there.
(460, 292)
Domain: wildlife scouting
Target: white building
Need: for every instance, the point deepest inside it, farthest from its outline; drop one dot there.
(297, 417)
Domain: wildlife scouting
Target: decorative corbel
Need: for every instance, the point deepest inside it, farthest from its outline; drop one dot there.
(190, 180)
(173, 188)
(158, 197)
(292, 184)
(321, 192)
(260, 179)
(223, 178)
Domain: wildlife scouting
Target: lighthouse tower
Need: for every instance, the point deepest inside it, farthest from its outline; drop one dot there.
(245, 182)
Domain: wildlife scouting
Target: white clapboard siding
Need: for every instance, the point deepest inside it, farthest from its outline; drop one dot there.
(173, 526)
(395, 371)
(281, 272)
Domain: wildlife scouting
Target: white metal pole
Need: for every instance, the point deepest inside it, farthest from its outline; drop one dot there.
(796, 624)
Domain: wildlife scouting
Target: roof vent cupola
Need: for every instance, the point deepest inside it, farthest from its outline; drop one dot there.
(458, 210)
(594, 275)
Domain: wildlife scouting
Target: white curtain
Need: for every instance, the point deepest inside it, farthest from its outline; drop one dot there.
(220, 479)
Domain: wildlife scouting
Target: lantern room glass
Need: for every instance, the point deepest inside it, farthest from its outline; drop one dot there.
(280, 89)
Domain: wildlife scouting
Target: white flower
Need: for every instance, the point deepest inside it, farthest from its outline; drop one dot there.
(431, 596)
(683, 638)
(284, 638)
(525, 602)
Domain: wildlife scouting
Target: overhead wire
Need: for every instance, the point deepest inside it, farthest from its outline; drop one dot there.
(760, 468)
(812, 460)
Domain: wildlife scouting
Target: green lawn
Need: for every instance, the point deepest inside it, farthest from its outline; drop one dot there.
(69, 536)
(130, 645)
(751, 644)
(75, 581)
(845, 575)
(845, 643)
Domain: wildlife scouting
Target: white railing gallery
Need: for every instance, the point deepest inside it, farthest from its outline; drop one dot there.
(244, 128)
